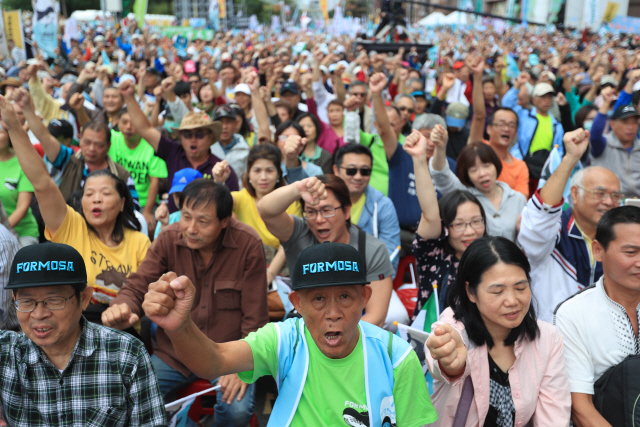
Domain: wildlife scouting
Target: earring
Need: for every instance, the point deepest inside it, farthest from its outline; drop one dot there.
(278, 180)
(249, 181)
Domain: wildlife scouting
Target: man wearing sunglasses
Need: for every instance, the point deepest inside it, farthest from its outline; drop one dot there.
(329, 220)
(407, 106)
(197, 134)
(62, 369)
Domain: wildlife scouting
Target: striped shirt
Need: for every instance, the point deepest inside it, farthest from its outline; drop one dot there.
(109, 381)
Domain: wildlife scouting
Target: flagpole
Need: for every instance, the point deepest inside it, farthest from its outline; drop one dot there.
(435, 293)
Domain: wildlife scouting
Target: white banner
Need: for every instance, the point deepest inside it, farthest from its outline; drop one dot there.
(4, 48)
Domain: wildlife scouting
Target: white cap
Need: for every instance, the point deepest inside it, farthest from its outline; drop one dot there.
(98, 39)
(125, 77)
(225, 56)
(288, 69)
(163, 60)
(191, 50)
(136, 37)
(549, 74)
(324, 69)
(32, 61)
(542, 89)
(340, 49)
(242, 88)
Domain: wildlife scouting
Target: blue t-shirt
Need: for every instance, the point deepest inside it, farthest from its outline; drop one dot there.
(402, 188)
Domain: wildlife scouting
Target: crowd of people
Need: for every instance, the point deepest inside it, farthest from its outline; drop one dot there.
(184, 197)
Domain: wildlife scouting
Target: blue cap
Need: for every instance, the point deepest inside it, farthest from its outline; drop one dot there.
(182, 178)
(418, 93)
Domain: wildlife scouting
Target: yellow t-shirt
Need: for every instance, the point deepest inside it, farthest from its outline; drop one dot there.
(356, 209)
(543, 138)
(245, 209)
(589, 245)
(107, 268)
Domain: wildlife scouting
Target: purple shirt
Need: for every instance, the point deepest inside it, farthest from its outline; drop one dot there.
(174, 156)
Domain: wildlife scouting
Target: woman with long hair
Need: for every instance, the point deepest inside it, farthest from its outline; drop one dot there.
(477, 171)
(312, 152)
(283, 132)
(490, 347)
(105, 232)
(443, 233)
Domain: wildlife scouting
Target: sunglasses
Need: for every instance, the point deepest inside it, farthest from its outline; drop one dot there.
(198, 135)
(411, 110)
(354, 171)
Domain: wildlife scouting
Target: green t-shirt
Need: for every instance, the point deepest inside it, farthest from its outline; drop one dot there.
(356, 209)
(141, 162)
(380, 167)
(334, 391)
(543, 138)
(14, 182)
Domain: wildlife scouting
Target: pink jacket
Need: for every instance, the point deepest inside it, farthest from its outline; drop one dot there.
(538, 379)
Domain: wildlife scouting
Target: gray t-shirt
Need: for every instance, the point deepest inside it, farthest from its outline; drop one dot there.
(378, 263)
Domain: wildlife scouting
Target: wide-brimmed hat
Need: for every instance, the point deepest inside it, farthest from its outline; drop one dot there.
(200, 120)
(10, 81)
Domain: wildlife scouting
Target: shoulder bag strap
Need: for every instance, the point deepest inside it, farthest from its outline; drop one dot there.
(464, 404)
(362, 246)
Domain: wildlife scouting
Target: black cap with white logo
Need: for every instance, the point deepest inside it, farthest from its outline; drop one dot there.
(624, 111)
(47, 264)
(328, 264)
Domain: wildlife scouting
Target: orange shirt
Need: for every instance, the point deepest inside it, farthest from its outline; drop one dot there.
(515, 174)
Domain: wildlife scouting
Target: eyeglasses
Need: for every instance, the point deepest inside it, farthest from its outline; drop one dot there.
(602, 195)
(198, 135)
(27, 305)
(354, 171)
(194, 82)
(362, 94)
(459, 227)
(410, 110)
(326, 212)
(510, 126)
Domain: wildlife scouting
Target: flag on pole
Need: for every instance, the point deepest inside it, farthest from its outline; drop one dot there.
(178, 410)
(140, 10)
(428, 315)
(417, 339)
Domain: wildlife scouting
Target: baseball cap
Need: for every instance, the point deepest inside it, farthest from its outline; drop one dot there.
(288, 69)
(457, 65)
(190, 66)
(418, 93)
(47, 264)
(60, 128)
(609, 80)
(328, 264)
(242, 88)
(182, 178)
(290, 86)
(457, 114)
(155, 71)
(549, 74)
(541, 89)
(223, 111)
(624, 111)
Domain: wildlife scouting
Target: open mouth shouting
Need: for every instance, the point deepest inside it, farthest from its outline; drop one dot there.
(96, 212)
(333, 338)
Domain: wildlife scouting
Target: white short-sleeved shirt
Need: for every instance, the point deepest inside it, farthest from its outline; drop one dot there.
(597, 335)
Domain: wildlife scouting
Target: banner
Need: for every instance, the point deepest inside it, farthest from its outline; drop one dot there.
(222, 5)
(214, 15)
(140, 10)
(13, 29)
(610, 12)
(325, 11)
(4, 48)
(624, 24)
(590, 15)
(45, 26)
(188, 33)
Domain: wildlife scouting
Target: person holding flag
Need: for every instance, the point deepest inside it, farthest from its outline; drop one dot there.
(442, 235)
(493, 363)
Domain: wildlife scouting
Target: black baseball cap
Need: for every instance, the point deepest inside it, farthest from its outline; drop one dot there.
(60, 128)
(47, 264)
(328, 264)
(222, 111)
(290, 86)
(624, 111)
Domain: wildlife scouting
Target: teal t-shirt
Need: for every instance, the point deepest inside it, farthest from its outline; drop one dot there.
(13, 182)
(334, 392)
(141, 162)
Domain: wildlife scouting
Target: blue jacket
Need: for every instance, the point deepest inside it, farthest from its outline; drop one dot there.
(379, 218)
(382, 352)
(528, 125)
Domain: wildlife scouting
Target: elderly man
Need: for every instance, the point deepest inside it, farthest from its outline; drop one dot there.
(359, 91)
(407, 106)
(226, 260)
(62, 369)
(618, 150)
(557, 243)
(331, 367)
(197, 134)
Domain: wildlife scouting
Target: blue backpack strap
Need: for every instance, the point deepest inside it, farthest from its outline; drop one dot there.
(390, 346)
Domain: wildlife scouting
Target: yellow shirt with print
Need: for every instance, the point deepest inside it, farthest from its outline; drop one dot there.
(107, 268)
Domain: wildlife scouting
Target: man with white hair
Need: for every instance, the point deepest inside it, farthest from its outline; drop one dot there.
(560, 253)
(407, 106)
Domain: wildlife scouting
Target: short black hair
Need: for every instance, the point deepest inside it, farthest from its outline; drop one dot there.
(98, 125)
(480, 256)
(286, 125)
(467, 159)
(181, 88)
(493, 115)
(449, 210)
(202, 192)
(605, 232)
(351, 148)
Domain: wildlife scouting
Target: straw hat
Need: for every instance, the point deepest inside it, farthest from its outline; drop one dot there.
(200, 120)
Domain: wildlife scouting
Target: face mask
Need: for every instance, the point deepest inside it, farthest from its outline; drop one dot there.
(587, 125)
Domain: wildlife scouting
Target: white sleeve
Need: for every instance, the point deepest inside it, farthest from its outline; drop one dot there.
(580, 369)
(539, 229)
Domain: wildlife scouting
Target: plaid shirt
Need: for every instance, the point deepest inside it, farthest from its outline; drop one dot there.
(109, 381)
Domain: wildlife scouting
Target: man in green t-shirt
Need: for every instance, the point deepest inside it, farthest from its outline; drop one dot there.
(332, 369)
(138, 157)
